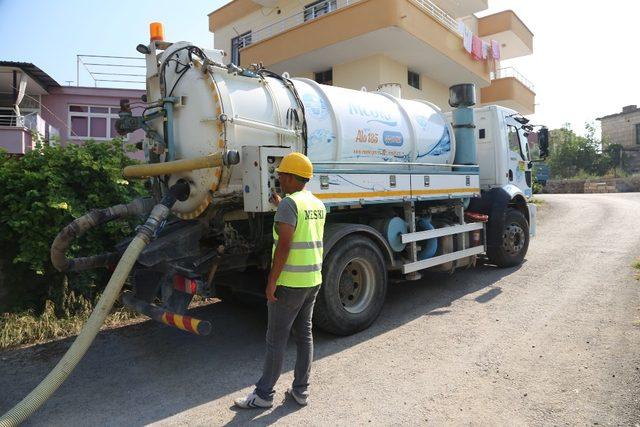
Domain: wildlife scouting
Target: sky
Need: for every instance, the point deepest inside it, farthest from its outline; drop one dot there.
(584, 65)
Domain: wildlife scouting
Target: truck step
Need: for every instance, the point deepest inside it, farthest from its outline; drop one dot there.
(431, 262)
(439, 232)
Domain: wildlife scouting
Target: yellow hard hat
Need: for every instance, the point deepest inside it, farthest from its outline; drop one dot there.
(296, 164)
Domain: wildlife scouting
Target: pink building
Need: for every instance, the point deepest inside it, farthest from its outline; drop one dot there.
(33, 102)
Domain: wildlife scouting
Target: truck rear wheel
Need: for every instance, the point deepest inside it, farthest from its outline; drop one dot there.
(513, 239)
(354, 287)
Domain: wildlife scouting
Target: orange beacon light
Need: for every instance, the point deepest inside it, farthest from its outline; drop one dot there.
(156, 31)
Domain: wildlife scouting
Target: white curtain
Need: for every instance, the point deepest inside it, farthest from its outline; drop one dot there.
(22, 88)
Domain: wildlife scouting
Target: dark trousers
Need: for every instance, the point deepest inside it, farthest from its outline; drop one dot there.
(292, 310)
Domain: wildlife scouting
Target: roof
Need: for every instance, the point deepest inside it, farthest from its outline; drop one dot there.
(622, 113)
(43, 79)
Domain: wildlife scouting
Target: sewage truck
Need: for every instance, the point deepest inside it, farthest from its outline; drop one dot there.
(407, 188)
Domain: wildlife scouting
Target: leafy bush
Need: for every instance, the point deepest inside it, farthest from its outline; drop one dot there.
(42, 192)
(575, 156)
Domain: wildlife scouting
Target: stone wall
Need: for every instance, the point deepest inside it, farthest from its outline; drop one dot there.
(604, 185)
(620, 129)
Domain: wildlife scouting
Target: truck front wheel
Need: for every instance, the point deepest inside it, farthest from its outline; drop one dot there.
(513, 240)
(354, 286)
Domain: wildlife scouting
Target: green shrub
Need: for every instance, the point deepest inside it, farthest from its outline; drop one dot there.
(43, 191)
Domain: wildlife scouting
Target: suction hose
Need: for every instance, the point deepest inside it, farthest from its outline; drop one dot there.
(86, 222)
(230, 157)
(65, 366)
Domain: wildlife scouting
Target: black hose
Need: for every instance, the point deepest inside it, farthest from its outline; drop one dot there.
(86, 222)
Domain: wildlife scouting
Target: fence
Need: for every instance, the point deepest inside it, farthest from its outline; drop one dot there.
(112, 69)
(512, 72)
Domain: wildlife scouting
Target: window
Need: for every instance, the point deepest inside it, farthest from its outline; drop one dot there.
(319, 8)
(237, 43)
(638, 133)
(91, 121)
(518, 142)
(324, 77)
(413, 79)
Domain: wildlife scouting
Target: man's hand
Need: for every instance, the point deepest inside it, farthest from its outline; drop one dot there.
(271, 292)
(275, 197)
(280, 255)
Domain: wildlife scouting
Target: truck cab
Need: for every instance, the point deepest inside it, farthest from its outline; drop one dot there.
(503, 150)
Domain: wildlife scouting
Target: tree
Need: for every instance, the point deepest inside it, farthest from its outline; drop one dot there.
(573, 155)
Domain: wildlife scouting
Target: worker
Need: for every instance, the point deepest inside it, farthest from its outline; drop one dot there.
(293, 283)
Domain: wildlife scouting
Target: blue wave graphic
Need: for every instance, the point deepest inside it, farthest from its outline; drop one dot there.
(442, 147)
(384, 122)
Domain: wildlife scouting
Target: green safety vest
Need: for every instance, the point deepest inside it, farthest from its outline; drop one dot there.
(304, 265)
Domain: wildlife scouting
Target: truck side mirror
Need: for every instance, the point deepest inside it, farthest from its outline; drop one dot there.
(543, 142)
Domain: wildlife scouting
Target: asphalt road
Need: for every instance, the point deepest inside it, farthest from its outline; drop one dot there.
(555, 341)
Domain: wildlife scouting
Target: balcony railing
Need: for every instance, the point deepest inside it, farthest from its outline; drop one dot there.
(438, 14)
(32, 121)
(289, 22)
(502, 73)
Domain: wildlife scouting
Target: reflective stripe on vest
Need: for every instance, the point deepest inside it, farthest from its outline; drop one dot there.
(303, 267)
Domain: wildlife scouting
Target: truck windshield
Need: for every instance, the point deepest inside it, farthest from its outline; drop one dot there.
(524, 144)
(518, 142)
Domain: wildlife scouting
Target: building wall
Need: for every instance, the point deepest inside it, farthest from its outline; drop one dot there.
(621, 129)
(372, 71)
(55, 106)
(15, 140)
(290, 14)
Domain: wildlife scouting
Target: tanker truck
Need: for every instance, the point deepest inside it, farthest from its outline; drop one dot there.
(406, 186)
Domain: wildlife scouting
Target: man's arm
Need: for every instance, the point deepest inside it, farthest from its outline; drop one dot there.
(285, 236)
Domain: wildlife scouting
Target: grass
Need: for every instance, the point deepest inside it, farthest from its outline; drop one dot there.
(636, 265)
(536, 201)
(27, 328)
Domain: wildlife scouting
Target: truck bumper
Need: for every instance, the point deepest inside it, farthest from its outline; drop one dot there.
(532, 219)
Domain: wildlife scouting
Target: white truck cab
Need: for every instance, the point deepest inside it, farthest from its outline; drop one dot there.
(503, 150)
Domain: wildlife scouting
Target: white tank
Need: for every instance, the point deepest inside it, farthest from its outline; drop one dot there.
(343, 125)
(349, 126)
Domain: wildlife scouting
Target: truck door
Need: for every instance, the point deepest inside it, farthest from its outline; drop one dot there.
(518, 162)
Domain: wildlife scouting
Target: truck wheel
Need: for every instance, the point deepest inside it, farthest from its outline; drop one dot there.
(354, 287)
(514, 240)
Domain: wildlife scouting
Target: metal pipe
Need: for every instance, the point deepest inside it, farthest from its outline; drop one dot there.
(171, 149)
(184, 323)
(263, 126)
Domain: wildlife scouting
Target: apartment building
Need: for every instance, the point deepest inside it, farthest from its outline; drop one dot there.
(366, 43)
(32, 102)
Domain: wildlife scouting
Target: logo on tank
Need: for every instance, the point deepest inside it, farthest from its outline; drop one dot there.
(373, 115)
(392, 138)
(314, 106)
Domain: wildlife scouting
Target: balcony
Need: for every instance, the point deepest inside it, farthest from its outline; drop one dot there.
(508, 29)
(460, 8)
(16, 132)
(231, 12)
(510, 89)
(417, 33)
